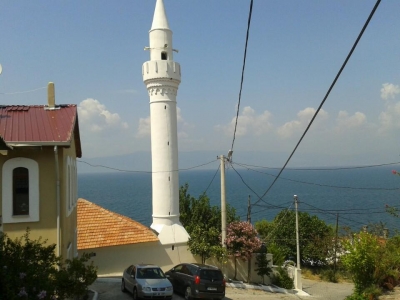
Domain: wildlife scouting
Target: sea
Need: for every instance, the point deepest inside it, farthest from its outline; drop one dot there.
(356, 196)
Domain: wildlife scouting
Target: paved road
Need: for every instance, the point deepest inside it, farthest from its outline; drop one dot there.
(326, 290)
(109, 289)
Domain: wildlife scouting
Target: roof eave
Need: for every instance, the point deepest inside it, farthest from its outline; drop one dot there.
(38, 144)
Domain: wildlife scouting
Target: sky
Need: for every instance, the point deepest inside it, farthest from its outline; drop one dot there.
(94, 50)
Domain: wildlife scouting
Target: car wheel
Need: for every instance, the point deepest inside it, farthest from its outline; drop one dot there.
(188, 293)
(123, 289)
(134, 294)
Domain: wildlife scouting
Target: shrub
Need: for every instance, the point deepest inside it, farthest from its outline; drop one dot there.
(356, 297)
(282, 279)
(29, 269)
(329, 275)
(360, 260)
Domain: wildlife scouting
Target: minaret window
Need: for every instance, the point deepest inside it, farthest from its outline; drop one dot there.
(164, 55)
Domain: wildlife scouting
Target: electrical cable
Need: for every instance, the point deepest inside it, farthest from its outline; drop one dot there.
(243, 67)
(240, 176)
(321, 169)
(23, 92)
(147, 172)
(320, 184)
(276, 226)
(219, 166)
(326, 96)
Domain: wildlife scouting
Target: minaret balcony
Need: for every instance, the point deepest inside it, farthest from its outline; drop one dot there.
(161, 69)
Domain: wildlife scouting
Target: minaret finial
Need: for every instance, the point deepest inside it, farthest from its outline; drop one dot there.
(160, 20)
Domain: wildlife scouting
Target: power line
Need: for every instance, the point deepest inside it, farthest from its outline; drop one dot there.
(244, 65)
(23, 92)
(240, 176)
(147, 172)
(321, 169)
(320, 184)
(326, 96)
(219, 166)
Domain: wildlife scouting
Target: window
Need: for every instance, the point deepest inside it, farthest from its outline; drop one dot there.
(20, 191)
(69, 252)
(164, 55)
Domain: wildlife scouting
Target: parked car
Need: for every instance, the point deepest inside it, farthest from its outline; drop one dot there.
(197, 281)
(146, 281)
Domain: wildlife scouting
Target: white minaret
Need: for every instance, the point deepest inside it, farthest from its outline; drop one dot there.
(162, 77)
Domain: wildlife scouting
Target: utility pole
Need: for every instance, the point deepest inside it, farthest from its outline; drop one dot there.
(223, 202)
(223, 197)
(249, 221)
(297, 232)
(336, 240)
(249, 211)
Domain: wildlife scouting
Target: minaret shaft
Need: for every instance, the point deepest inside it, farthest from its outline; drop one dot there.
(162, 77)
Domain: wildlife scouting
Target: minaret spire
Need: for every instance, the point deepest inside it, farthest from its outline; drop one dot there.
(162, 76)
(160, 20)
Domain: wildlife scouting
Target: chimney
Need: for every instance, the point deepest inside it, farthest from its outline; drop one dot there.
(51, 98)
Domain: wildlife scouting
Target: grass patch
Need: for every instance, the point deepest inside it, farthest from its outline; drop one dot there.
(325, 274)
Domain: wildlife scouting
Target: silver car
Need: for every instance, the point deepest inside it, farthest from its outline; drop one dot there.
(146, 281)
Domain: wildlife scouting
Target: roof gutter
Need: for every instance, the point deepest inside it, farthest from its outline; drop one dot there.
(57, 199)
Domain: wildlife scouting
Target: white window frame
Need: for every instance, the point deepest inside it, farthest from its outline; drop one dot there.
(7, 190)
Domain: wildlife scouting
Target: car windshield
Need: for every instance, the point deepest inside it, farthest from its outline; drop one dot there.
(150, 273)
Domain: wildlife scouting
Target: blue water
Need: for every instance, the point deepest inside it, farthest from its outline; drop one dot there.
(320, 192)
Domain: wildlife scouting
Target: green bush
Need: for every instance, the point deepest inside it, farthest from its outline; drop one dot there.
(360, 260)
(356, 297)
(282, 279)
(329, 275)
(29, 269)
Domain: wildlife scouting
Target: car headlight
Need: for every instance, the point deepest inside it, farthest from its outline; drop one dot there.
(168, 288)
(146, 289)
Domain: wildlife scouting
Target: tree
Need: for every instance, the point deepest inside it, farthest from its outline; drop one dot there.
(360, 259)
(316, 237)
(194, 212)
(394, 211)
(203, 223)
(30, 270)
(241, 241)
(204, 243)
(263, 268)
(74, 277)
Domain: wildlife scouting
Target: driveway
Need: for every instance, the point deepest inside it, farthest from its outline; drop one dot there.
(109, 289)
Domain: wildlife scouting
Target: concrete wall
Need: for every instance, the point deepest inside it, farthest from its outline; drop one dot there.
(111, 261)
(242, 269)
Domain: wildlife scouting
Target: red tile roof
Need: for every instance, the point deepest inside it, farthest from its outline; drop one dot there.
(99, 227)
(36, 125)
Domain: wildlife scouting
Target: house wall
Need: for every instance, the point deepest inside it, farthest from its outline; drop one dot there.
(46, 226)
(69, 198)
(112, 261)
